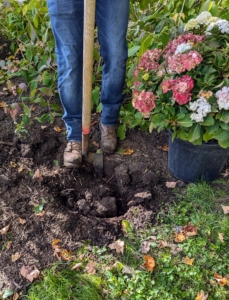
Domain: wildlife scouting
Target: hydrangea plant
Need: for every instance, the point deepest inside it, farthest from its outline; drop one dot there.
(185, 86)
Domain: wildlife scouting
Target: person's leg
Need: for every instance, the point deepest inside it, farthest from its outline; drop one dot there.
(67, 25)
(112, 20)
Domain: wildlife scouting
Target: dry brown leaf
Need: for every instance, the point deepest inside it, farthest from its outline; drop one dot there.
(212, 282)
(201, 296)
(174, 249)
(170, 185)
(145, 247)
(55, 242)
(44, 127)
(5, 229)
(9, 244)
(15, 257)
(128, 151)
(149, 263)
(22, 221)
(20, 169)
(225, 209)
(95, 144)
(188, 261)
(163, 244)
(179, 237)
(222, 280)
(57, 128)
(118, 246)
(29, 273)
(190, 230)
(13, 164)
(41, 214)
(164, 148)
(2, 104)
(38, 175)
(76, 266)
(90, 268)
(15, 296)
(67, 255)
(221, 237)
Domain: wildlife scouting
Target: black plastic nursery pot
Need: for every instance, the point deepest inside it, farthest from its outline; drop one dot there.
(191, 163)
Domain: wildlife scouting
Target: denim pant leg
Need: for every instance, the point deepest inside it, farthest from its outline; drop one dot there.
(112, 20)
(67, 25)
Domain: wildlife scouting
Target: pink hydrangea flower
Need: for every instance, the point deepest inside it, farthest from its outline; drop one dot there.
(182, 39)
(144, 101)
(181, 62)
(149, 60)
(181, 88)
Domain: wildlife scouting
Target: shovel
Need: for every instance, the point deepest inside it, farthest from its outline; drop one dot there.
(88, 44)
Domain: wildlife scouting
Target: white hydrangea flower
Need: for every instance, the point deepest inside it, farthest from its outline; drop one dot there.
(192, 24)
(183, 47)
(223, 26)
(201, 108)
(212, 20)
(223, 98)
(197, 117)
(203, 17)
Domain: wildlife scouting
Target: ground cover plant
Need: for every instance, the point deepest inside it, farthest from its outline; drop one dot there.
(52, 219)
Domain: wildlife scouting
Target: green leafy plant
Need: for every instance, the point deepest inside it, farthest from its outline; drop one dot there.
(38, 208)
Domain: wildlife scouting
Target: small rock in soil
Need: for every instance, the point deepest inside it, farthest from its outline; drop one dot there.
(122, 176)
(88, 196)
(106, 207)
(84, 207)
(143, 195)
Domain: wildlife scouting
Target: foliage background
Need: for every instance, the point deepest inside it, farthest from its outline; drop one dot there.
(26, 24)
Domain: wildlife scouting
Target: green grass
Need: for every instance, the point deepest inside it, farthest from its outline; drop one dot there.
(123, 276)
(65, 284)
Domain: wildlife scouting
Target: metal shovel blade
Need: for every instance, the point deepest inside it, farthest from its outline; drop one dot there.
(97, 160)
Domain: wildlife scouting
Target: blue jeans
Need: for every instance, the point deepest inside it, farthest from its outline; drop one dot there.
(67, 25)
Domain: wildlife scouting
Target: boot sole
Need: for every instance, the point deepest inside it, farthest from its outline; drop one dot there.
(106, 151)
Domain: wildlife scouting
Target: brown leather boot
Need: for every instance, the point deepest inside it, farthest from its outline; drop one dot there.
(108, 141)
(73, 155)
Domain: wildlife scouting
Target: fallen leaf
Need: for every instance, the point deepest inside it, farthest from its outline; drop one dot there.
(57, 128)
(222, 280)
(20, 169)
(188, 261)
(163, 244)
(67, 255)
(13, 164)
(190, 230)
(55, 242)
(225, 209)
(174, 249)
(179, 237)
(170, 185)
(40, 214)
(118, 246)
(9, 244)
(164, 148)
(15, 256)
(201, 296)
(2, 104)
(126, 226)
(145, 247)
(29, 273)
(76, 266)
(44, 127)
(95, 144)
(5, 229)
(149, 263)
(38, 175)
(16, 296)
(221, 237)
(212, 282)
(128, 151)
(90, 268)
(22, 221)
